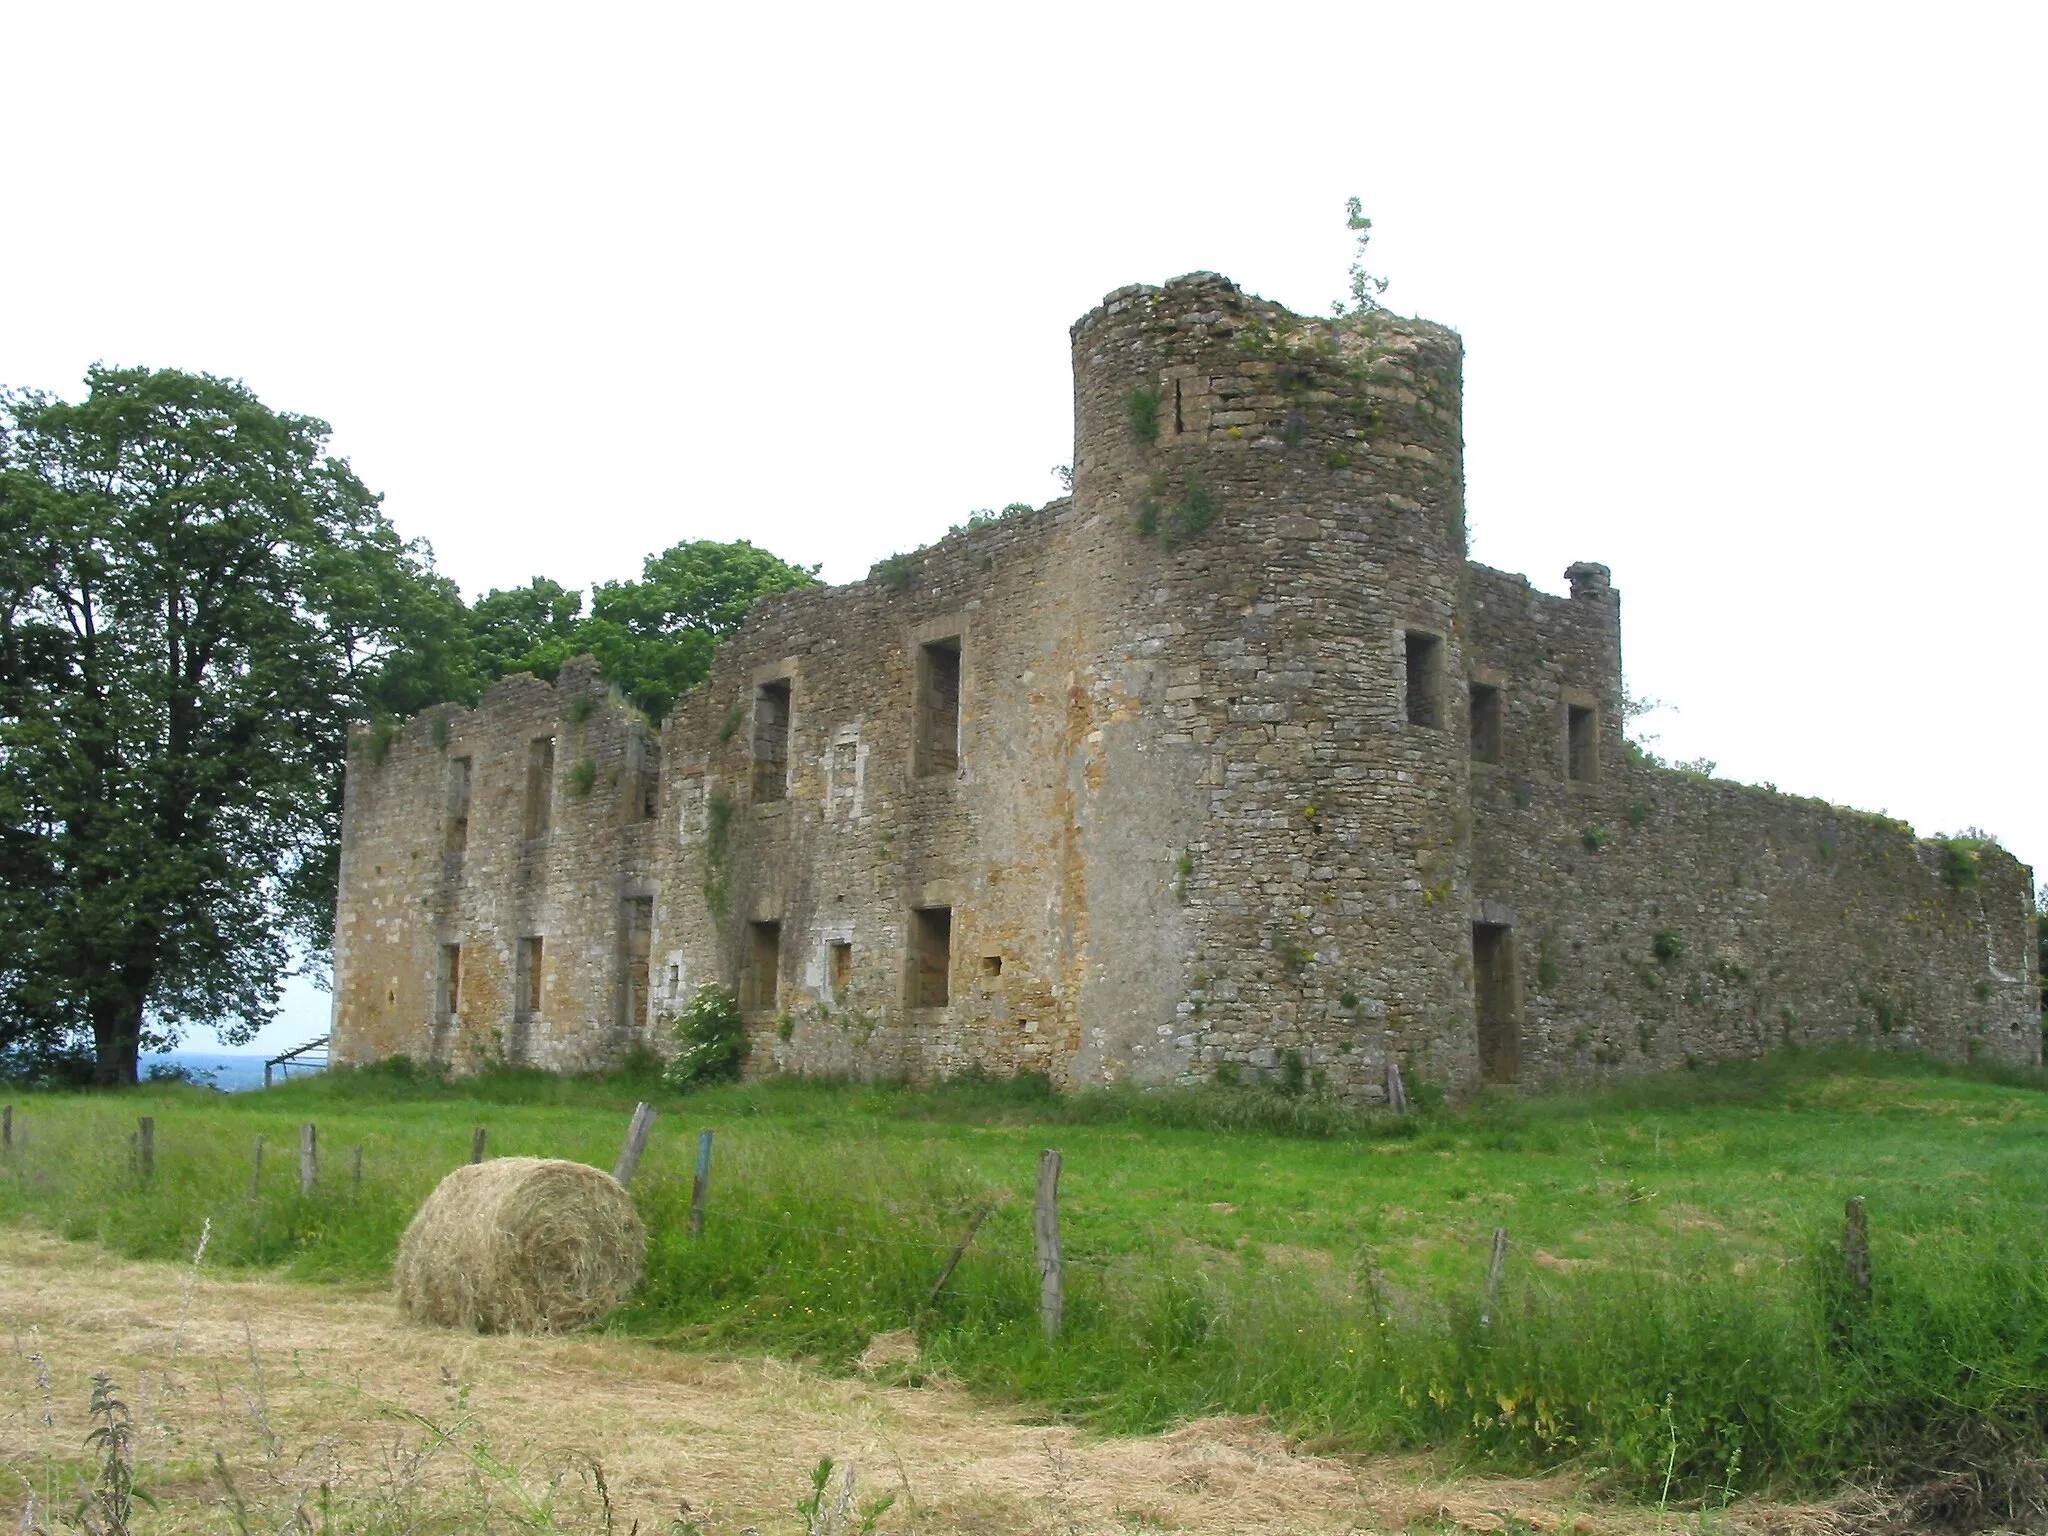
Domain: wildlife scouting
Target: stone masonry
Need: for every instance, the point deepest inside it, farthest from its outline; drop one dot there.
(1229, 756)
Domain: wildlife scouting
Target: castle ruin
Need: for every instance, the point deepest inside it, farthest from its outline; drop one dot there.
(1230, 761)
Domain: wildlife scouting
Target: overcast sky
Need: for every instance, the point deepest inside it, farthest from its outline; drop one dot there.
(1751, 296)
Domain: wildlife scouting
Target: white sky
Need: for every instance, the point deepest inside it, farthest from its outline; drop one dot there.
(1751, 295)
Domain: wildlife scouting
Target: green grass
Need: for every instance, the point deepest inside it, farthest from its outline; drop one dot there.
(1673, 1303)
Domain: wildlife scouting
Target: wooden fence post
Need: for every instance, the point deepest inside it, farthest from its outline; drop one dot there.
(7, 1127)
(1397, 1095)
(146, 1145)
(309, 1158)
(698, 1186)
(355, 1181)
(1052, 1284)
(959, 1252)
(1494, 1270)
(1856, 1248)
(476, 1146)
(636, 1143)
(256, 1172)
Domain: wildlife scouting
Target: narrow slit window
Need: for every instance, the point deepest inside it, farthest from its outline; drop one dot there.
(938, 707)
(458, 805)
(1424, 656)
(839, 968)
(636, 941)
(932, 938)
(771, 740)
(763, 967)
(540, 785)
(527, 981)
(1485, 723)
(448, 983)
(1582, 743)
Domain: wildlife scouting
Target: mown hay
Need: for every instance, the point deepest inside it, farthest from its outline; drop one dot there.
(520, 1245)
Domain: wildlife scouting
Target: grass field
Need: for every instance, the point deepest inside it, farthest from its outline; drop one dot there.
(1673, 1311)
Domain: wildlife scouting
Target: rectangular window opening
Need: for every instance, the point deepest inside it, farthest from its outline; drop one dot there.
(540, 785)
(932, 938)
(938, 707)
(458, 806)
(527, 980)
(636, 941)
(1582, 742)
(1485, 723)
(771, 740)
(448, 983)
(991, 967)
(1493, 985)
(762, 967)
(839, 968)
(650, 780)
(1424, 655)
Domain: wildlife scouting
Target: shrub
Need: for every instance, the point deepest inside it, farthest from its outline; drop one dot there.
(894, 571)
(1595, 839)
(582, 776)
(1959, 856)
(713, 1037)
(1666, 945)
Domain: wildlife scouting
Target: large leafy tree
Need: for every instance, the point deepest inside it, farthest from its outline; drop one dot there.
(195, 601)
(652, 637)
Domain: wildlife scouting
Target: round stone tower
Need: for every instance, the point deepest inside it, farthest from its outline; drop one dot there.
(1289, 493)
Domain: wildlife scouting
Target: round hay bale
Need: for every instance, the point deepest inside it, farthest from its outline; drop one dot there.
(520, 1245)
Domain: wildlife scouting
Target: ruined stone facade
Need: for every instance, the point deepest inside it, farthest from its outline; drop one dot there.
(1231, 755)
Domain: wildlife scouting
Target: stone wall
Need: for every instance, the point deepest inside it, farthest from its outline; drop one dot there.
(1173, 775)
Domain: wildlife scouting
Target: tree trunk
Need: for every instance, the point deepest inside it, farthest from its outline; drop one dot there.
(116, 1041)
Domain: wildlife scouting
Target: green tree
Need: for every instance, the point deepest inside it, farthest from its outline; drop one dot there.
(525, 629)
(653, 637)
(196, 600)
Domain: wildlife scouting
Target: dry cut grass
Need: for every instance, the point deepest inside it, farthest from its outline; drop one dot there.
(323, 1400)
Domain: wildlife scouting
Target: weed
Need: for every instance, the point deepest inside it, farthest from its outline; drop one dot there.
(785, 1025)
(583, 708)
(582, 777)
(1960, 860)
(1595, 838)
(384, 730)
(1666, 945)
(731, 723)
(437, 730)
(1143, 403)
(1637, 815)
(718, 809)
(1348, 1001)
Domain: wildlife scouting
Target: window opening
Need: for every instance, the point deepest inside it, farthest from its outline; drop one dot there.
(448, 983)
(643, 791)
(1485, 723)
(991, 967)
(762, 967)
(1178, 426)
(839, 968)
(527, 980)
(636, 940)
(1582, 742)
(932, 934)
(1424, 654)
(540, 785)
(938, 706)
(771, 740)
(458, 805)
(1493, 983)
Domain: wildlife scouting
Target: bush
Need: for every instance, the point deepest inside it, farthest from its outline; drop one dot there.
(713, 1037)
